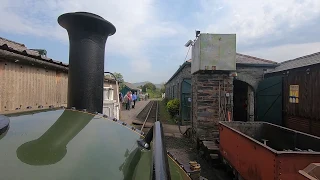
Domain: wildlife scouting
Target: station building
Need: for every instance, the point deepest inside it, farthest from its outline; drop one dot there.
(242, 87)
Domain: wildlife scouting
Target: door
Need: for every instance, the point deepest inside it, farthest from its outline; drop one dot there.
(185, 103)
(240, 99)
(269, 100)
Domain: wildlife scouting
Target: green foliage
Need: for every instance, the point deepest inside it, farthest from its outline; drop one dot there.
(119, 77)
(165, 100)
(173, 107)
(164, 115)
(148, 86)
(163, 88)
(154, 94)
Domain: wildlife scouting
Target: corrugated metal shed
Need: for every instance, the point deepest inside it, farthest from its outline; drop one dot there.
(21, 49)
(29, 80)
(303, 61)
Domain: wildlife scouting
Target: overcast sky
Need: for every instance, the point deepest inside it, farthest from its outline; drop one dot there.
(150, 37)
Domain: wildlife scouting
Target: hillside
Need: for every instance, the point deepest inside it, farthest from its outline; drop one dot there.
(143, 83)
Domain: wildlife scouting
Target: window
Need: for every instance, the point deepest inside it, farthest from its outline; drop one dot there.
(107, 93)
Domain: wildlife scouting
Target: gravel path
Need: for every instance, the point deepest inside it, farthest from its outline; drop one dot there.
(181, 148)
(184, 150)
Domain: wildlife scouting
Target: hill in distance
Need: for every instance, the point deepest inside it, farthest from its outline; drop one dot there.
(143, 83)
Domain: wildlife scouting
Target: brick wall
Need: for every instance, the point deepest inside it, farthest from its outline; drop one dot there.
(207, 107)
(173, 87)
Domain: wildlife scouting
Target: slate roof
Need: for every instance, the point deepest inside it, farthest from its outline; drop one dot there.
(21, 49)
(131, 86)
(188, 62)
(240, 59)
(246, 59)
(303, 61)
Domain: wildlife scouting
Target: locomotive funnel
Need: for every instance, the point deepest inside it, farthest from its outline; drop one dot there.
(87, 37)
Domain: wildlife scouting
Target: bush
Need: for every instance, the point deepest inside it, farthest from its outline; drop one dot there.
(154, 94)
(165, 101)
(173, 107)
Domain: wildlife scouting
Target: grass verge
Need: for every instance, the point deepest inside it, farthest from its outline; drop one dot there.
(164, 114)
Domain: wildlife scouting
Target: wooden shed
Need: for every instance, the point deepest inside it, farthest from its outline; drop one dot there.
(30, 80)
(298, 102)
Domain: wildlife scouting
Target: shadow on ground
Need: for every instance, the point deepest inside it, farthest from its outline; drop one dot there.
(184, 150)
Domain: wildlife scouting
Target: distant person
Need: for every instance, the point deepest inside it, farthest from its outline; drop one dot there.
(120, 97)
(130, 99)
(126, 100)
(134, 99)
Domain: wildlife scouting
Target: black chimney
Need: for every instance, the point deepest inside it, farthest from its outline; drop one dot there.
(87, 36)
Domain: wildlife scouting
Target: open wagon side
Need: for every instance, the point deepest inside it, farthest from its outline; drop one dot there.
(264, 151)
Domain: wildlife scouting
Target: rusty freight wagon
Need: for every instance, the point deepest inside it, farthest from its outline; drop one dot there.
(264, 151)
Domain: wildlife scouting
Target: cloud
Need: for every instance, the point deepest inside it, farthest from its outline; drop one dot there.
(258, 20)
(136, 23)
(286, 52)
(151, 35)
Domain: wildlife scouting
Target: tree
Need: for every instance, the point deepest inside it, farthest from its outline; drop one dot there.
(162, 88)
(148, 86)
(119, 79)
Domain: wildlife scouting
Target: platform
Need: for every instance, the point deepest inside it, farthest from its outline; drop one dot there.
(129, 116)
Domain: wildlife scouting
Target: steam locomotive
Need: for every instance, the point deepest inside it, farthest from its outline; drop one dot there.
(79, 142)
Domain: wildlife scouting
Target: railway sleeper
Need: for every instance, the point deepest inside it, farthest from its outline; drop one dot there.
(210, 147)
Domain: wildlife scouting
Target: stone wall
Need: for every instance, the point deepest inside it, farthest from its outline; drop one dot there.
(173, 87)
(211, 100)
(251, 75)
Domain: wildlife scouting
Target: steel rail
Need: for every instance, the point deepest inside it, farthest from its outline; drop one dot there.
(161, 170)
(145, 120)
(157, 111)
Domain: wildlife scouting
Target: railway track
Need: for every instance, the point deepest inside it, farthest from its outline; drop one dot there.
(147, 116)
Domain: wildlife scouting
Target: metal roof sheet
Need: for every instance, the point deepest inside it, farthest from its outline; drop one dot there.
(303, 61)
(19, 48)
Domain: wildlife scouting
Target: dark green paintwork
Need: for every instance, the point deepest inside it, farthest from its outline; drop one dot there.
(269, 100)
(185, 104)
(65, 144)
(176, 172)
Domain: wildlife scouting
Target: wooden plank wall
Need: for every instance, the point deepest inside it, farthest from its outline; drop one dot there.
(24, 85)
(305, 115)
